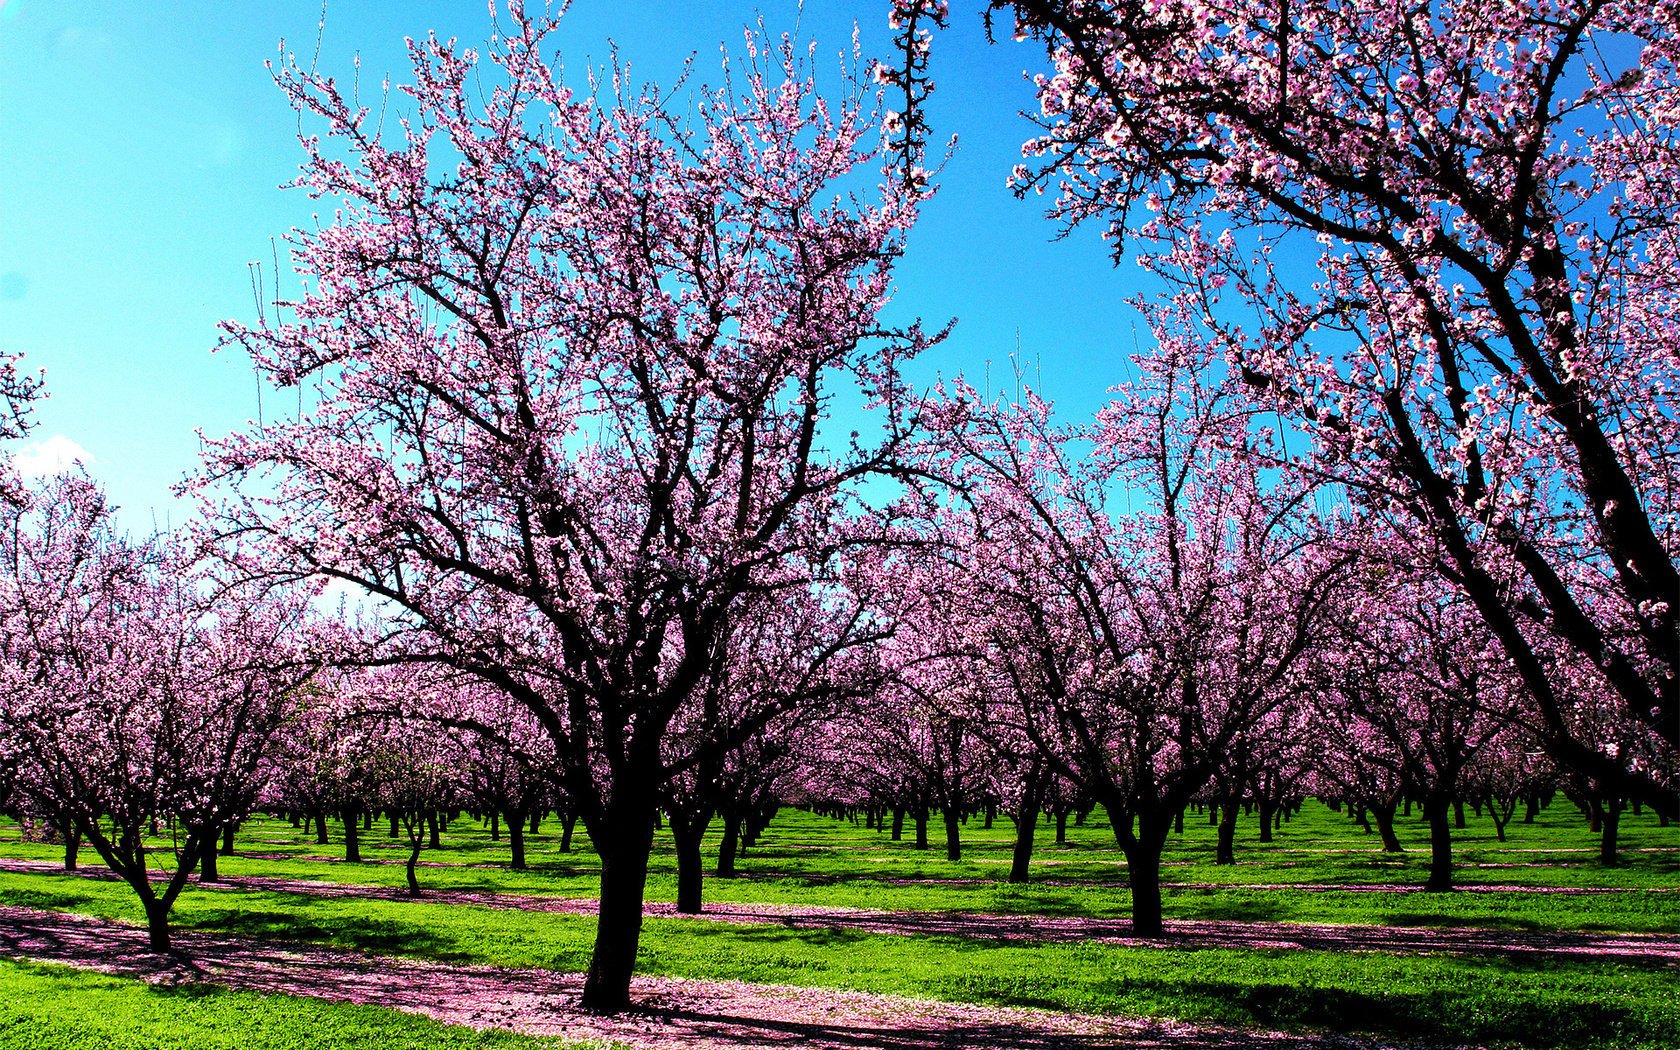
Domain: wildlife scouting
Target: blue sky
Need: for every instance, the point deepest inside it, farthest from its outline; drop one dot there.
(142, 147)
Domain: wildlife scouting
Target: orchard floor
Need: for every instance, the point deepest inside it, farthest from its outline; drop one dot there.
(837, 936)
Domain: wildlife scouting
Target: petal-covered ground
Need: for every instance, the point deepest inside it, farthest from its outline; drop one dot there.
(1181, 933)
(674, 1014)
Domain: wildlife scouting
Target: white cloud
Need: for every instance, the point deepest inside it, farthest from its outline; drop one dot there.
(49, 456)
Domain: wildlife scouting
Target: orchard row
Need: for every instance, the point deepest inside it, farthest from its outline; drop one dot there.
(600, 413)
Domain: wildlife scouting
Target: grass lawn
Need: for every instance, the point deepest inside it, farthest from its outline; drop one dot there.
(57, 1008)
(1530, 1001)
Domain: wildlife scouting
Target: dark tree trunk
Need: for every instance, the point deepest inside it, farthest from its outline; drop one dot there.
(991, 814)
(432, 831)
(1061, 827)
(414, 845)
(1143, 869)
(495, 825)
(898, 824)
(1458, 813)
(227, 838)
(207, 868)
(395, 832)
(624, 847)
(1268, 810)
(1026, 823)
(352, 836)
(1384, 812)
(1607, 854)
(1225, 852)
(727, 847)
(72, 846)
(953, 835)
(1438, 810)
(567, 824)
(157, 924)
(536, 820)
(921, 828)
(320, 818)
(689, 833)
(516, 840)
(1531, 808)
(1178, 823)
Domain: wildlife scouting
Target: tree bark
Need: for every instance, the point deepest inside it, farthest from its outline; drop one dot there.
(921, 828)
(157, 924)
(413, 860)
(1439, 811)
(1607, 854)
(898, 824)
(567, 825)
(690, 865)
(227, 838)
(72, 846)
(1384, 812)
(207, 868)
(953, 835)
(618, 930)
(495, 825)
(1225, 852)
(320, 818)
(352, 836)
(727, 847)
(516, 840)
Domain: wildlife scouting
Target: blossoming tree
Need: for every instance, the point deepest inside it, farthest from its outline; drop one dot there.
(572, 359)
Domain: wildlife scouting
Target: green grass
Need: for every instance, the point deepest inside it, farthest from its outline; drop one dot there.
(1528, 1001)
(57, 1008)
(1564, 1001)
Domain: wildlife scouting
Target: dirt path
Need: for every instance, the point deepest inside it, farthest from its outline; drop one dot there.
(1645, 949)
(675, 1014)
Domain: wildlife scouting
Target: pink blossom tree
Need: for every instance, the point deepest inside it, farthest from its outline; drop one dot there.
(1450, 229)
(139, 696)
(571, 360)
(1138, 646)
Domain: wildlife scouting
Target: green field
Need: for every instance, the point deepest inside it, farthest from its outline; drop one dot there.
(1493, 998)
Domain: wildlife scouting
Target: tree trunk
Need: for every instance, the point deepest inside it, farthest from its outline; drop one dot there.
(1438, 810)
(1607, 854)
(413, 859)
(72, 846)
(1384, 812)
(618, 930)
(157, 924)
(1061, 827)
(921, 828)
(567, 824)
(495, 825)
(207, 869)
(352, 837)
(689, 834)
(394, 831)
(1268, 810)
(536, 820)
(516, 840)
(1225, 852)
(726, 848)
(1143, 870)
(1458, 813)
(898, 824)
(432, 831)
(227, 838)
(953, 835)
